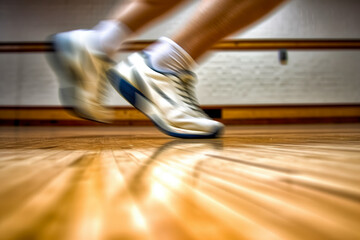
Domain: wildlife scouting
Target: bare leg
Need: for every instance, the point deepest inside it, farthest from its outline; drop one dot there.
(128, 19)
(216, 19)
(138, 13)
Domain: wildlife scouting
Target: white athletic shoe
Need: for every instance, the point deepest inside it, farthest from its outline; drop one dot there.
(168, 99)
(81, 71)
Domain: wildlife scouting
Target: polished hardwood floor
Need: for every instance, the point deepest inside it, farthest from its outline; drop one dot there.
(256, 182)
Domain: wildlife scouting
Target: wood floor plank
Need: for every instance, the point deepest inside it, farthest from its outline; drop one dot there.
(106, 183)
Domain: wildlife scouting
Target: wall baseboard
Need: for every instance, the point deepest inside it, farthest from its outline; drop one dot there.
(228, 114)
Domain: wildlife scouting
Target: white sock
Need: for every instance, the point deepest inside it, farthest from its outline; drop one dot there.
(110, 34)
(168, 56)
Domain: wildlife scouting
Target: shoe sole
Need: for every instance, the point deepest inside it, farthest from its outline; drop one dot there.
(145, 105)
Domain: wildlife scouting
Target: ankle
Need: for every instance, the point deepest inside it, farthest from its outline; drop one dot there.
(109, 35)
(167, 56)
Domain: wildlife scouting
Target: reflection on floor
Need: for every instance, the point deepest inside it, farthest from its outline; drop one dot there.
(269, 182)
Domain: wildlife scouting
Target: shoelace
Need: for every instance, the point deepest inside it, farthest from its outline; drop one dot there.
(185, 83)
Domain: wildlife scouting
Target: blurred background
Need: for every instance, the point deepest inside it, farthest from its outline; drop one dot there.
(226, 78)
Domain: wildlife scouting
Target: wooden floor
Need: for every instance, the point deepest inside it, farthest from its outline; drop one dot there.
(261, 182)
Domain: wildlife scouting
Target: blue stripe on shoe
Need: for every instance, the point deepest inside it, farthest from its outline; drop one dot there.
(124, 88)
(131, 94)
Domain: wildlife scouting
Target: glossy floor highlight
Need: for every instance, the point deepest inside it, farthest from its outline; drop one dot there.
(261, 182)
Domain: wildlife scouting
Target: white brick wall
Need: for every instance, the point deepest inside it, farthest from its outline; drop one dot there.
(225, 78)
(311, 77)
